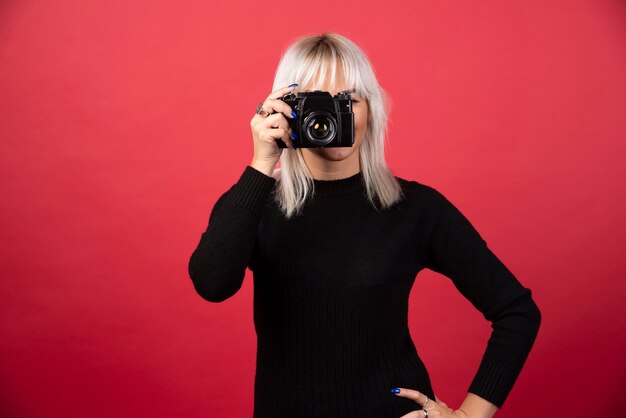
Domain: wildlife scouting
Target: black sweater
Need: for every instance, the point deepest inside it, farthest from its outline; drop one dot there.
(331, 291)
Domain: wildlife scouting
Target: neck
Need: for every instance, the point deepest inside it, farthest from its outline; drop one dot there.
(352, 184)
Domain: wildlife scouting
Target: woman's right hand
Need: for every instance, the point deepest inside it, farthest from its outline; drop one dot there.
(267, 129)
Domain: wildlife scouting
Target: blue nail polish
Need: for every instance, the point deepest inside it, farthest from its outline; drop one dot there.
(294, 136)
(294, 114)
(294, 146)
(395, 390)
(291, 85)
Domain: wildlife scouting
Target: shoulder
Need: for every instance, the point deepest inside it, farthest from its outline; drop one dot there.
(420, 193)
(424, 205)
(429, 208)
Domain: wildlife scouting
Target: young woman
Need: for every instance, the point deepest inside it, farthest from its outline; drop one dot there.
(335, 241)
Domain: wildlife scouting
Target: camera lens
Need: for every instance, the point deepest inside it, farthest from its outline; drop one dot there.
(320, 127)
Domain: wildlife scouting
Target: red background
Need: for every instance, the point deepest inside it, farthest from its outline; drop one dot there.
(121, 123)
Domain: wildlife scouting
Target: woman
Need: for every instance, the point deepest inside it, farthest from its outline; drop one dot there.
(335, 241)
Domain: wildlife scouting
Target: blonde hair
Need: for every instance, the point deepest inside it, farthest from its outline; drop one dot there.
(306, 61)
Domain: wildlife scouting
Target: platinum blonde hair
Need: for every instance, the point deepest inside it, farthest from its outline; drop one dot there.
(306, 62)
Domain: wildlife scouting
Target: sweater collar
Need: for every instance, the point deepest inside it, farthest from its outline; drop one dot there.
(354, 183)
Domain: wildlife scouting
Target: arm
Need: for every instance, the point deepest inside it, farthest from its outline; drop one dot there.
(476, 407)
(218, 264)
(453, 247)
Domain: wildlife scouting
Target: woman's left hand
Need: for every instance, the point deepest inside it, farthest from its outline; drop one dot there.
(434, 408)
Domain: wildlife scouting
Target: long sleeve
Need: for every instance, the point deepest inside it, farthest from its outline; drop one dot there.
(454, 248)
(218, 264)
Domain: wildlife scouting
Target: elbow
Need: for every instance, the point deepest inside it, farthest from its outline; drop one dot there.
(520, 319)
(212, 293)
(533, 322)
(215, 286)
(535, 315)
(529, 317)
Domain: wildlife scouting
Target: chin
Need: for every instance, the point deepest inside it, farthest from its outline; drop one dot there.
(335, 154)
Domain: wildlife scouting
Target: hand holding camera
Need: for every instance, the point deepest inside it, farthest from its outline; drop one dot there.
(268, 125)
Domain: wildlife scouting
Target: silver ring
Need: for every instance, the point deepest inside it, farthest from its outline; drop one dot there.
(425, 413)
(261, 111)
(427, 399)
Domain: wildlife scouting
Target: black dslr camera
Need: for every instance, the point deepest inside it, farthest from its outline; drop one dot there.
(323, 120)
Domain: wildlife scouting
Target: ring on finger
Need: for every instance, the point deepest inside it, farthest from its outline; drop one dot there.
(261, 111)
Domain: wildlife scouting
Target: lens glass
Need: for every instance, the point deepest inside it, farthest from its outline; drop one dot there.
(321, 128)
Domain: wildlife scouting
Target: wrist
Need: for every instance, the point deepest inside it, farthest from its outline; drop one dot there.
(265, 167)
(475, 406)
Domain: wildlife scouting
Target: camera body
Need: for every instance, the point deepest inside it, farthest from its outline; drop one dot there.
(323, 120)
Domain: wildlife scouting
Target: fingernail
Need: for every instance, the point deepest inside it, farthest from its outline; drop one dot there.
(291, 85)
(294, 136)
(395, 390)
(294, 114)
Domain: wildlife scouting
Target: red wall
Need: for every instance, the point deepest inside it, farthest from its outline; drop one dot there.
(122, 122)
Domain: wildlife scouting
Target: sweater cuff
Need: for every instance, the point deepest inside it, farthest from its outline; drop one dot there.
(494, 381)
(252, 189)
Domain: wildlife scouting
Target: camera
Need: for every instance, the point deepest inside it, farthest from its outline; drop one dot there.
(323, 120)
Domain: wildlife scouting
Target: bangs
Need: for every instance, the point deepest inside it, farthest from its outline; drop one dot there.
(321, 64)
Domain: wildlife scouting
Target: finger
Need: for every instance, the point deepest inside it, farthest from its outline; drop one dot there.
(278, 121)
(265, 105)
(273, 134)
(281, 92)
(440, 401)
(415, 395)
(274, 106)
(275, 121)
(413, 414)
(279, 106)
